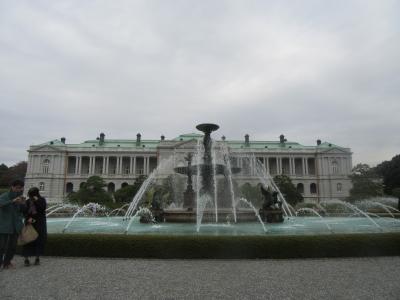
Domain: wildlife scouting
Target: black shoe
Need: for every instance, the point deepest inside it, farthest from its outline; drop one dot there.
(10, 265)
(27, 263)
(37, 261)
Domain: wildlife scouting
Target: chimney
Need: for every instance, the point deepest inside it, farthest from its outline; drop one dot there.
(282, 139)
(247, 140)
(162, 138)
(102, 136)
(63, 140)
(318, 142)
(138, 136)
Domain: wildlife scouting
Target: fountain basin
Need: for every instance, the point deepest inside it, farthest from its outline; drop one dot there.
(292, 226)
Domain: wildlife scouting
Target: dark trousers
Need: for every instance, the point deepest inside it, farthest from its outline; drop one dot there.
(8, 246)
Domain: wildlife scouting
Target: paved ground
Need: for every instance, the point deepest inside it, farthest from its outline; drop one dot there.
(87, 278)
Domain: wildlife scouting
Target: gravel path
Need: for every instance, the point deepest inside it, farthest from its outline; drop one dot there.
(89, 278)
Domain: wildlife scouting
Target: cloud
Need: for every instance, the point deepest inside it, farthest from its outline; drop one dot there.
(309, 70)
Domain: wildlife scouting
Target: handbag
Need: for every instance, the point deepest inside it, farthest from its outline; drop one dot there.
(27, 235)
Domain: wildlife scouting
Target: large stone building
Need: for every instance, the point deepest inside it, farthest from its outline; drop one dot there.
(57, 168)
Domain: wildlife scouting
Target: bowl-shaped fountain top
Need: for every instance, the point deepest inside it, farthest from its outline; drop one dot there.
(207, 127)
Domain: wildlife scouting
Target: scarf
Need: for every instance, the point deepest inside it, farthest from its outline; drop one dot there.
(31, 207)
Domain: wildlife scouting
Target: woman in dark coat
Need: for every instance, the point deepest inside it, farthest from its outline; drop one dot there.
(35, 214)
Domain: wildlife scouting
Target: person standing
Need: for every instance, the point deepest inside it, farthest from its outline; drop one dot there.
(11, 205)
(35, 214)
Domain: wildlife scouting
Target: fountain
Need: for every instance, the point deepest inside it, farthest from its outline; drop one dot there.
(204, 174)
(93, 208)
(207, 169)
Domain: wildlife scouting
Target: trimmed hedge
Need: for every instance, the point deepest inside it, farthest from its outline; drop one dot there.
(161, 246)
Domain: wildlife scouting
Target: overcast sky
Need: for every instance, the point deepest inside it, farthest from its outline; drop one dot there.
(311, 70)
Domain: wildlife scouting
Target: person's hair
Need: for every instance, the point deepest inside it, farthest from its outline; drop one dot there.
(34, 191)
(17, 183)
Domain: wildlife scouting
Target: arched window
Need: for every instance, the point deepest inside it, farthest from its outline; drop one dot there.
(69, 188)
(335, 167)
(313, 188)
(124, 184)
(45, 166)
(41, 186)
(300, 188)
(339, 187)
(111, 187)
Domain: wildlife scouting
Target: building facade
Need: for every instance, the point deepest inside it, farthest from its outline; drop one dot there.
(319, 172)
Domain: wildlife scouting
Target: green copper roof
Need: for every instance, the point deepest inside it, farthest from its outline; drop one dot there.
(119, 143)
(263, 145)
(188, 137)
(153, 144)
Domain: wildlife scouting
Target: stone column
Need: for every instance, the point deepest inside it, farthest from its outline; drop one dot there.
(146, 163)
(323, 162)
(117, 165)
(306, 166)
(267, 164)
(263, 162)
(76, 165)
(93, 164)
(30, 164)
(36, 164)
(279, 165)
(78, 161)
(121, 159)
(107, 164)
(134, 166)
(90, 164)
(53, 163)
(39, 164)
(103, 171)
(33, 168)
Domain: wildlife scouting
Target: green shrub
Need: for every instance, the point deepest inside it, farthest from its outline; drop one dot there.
(287, 188)
(305, 205)
(91, 191)
(162, 246)
(126, 194)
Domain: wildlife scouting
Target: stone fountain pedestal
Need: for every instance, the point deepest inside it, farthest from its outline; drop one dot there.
(271, 216)
(225, 215)
(189, 198)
